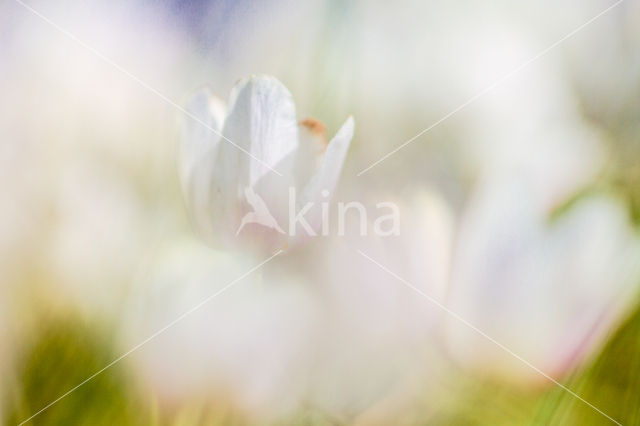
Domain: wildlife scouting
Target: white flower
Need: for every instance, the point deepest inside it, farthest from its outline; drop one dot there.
(378, 333)
(250, 344)
(547, 289)
(240, 162)
(540, 265)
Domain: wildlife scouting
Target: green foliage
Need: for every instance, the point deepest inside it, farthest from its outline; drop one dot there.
(611, 383)
(66, 352)
(63, 354)
(465, 399)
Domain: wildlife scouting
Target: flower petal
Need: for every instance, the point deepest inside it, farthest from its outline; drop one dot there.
(313, 143)
(262, 122)
(327, 175)
(322, 183)
(198, 152)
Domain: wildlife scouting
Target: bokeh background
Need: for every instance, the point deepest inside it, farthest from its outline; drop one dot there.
(519, 213)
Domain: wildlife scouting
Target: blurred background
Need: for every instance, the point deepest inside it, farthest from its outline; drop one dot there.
(519, 213)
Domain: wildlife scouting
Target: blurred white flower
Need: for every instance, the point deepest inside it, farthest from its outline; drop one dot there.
(263, 152)
(248, 346)
(546, 288)
(379, 333)
(345, 339)
(545, 283)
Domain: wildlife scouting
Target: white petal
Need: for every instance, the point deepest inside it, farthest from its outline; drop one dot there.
(262, 123)
(198, 152)
(323, 182)
(308, 157)
(303, 163)
(327, 175)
